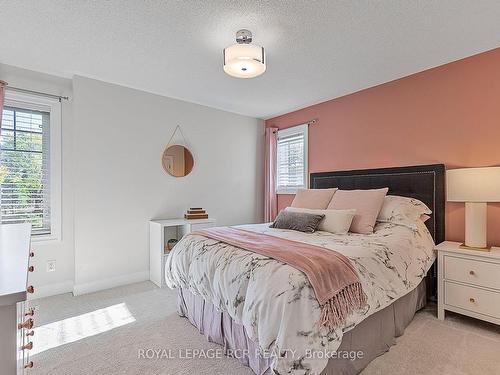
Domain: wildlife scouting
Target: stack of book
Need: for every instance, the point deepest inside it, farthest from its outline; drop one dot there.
(196, 213)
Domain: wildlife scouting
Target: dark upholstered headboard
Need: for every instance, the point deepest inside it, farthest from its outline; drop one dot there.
(423, 182)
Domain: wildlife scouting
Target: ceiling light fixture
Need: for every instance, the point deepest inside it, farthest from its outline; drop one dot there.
(244, 60)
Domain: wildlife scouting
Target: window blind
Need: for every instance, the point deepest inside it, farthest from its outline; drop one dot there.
(291, 169)
(24, 168)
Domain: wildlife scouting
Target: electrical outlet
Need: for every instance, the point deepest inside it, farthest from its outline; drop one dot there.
(51, 265)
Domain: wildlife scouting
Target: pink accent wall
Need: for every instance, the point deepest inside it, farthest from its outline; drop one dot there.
(449, 114)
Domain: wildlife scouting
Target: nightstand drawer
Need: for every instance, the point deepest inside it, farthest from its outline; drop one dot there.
(200, 226)
(475, 272)
(473, 299)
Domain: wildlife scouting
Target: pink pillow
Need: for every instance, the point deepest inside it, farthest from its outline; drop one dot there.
(313, 198)
(367, 204)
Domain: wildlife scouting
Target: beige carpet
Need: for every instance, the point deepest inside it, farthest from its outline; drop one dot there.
(104, 332)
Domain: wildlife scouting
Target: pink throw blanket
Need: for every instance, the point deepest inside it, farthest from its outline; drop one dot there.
(333, 278)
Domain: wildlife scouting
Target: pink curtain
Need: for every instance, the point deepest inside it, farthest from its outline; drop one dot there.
(270, 197)
(2, 95)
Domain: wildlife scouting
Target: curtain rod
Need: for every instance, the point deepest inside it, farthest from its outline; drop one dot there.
(310, 122)
(36, 92)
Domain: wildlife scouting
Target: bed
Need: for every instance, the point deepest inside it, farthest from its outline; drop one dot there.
(265, 312)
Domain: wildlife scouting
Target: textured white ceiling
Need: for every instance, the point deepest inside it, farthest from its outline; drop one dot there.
(316, 50)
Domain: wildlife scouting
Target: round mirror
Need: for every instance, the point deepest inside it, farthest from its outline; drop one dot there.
(177, 161)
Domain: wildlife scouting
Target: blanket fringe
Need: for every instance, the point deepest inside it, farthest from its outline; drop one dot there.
(336, 310)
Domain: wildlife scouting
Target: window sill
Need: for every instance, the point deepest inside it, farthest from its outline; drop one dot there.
(45, 238)
(287, 192)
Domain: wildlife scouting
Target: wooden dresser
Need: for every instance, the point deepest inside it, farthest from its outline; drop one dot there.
(16, 321)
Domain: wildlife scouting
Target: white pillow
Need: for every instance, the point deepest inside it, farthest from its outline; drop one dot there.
(403, 211)
(335, 221)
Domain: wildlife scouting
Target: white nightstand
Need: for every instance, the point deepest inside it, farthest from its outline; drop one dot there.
(160, 231)
(468, 282)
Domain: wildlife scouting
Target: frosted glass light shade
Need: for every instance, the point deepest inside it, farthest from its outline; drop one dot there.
(244, 60)
(473, 184)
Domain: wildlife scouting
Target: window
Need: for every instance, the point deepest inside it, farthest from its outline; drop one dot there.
(291, 169)
(30, 163)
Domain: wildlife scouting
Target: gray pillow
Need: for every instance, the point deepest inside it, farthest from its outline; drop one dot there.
(300, 221)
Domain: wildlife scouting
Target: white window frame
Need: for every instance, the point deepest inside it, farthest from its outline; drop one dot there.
(298, 129)
(38, 102)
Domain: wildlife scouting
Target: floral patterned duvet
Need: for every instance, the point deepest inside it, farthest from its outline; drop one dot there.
(276, 303)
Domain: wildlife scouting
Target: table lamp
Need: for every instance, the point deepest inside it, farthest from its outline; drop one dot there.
(476, 187)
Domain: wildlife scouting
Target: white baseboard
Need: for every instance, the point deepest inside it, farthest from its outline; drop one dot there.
(52, 289)
(111, 282)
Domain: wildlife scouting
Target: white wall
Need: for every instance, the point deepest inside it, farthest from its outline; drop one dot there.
(119, 138)
(113, 182)
(61, 280)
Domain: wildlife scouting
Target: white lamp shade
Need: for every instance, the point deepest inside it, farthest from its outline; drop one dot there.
(244, 60)
(473, 184)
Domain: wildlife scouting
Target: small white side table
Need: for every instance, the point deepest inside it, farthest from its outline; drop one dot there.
(160, 231)
(468, 282)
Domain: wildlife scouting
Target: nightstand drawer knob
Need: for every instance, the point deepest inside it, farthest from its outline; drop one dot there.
(32, 254)
(31, 268)
(472, 300)
(472, 273)
(29, 364)
(30, 289)
(28, 346)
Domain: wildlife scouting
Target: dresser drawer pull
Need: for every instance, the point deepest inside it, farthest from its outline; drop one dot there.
(28, 346)
(29, 364)
(30, 312)
(31, 268)
(472, 300)
(472, 273)
(32, 254)
(30, 289)
(28, 324)
(31, 333)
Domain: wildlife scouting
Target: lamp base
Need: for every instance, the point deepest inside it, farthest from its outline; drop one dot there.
(475, 225)
(485, 249)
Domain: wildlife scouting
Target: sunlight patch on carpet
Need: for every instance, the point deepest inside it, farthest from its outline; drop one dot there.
(79, 327)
